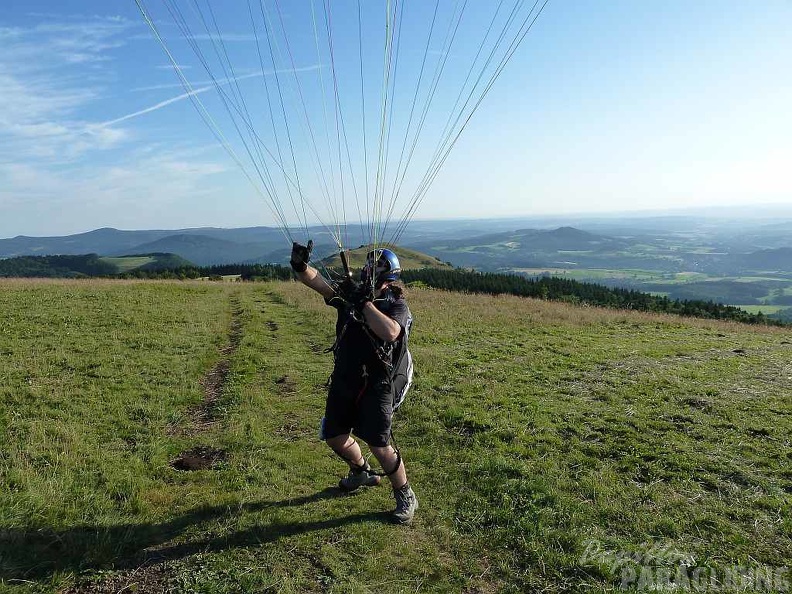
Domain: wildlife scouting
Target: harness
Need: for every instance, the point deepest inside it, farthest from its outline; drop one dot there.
(380, 349)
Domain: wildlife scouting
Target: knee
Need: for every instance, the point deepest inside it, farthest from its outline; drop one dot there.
(385, 452)
(340, 442)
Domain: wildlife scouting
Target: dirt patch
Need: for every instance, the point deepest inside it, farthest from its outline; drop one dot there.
(286, 385)
(152, 579)
(235, 333)
(199, 458)
(213, 383)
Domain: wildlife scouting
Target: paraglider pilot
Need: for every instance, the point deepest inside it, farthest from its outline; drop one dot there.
(371, 333)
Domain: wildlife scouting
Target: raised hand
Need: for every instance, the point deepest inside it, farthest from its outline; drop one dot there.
(300, 256)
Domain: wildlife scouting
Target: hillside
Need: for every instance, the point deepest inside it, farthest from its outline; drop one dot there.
(548, 444)
(408, 258)
(150, 261)
(86, 265)
(776, 260)
(204, 250)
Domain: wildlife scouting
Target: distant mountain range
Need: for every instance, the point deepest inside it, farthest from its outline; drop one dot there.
(204, 247)
(700, 247)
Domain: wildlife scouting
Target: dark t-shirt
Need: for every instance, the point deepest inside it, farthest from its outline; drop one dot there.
(357, 346)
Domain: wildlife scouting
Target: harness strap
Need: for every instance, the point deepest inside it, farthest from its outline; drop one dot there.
(358, 467)
(398, 459)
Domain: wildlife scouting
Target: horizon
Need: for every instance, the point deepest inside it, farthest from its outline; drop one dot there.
(732, 212)
(624, 108)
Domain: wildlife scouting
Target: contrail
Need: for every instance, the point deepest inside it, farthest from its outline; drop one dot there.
(167, 102)
(226, 80)
(197, 91)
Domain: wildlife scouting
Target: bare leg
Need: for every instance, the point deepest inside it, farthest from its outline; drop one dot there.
(346, 447)
(387, 459)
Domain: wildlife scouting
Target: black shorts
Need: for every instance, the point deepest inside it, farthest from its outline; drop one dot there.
(360, 405)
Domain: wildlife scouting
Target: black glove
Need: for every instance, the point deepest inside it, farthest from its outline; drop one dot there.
(355, 294)
(363, 294)
(347, 289)
(300, 255)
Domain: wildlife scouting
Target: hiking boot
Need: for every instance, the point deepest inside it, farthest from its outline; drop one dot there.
(358, 477)
(406, 504)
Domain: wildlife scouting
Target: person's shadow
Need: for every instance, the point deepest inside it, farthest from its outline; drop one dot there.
(35, 554)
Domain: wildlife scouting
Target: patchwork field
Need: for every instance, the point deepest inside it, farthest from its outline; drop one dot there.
(161, 436)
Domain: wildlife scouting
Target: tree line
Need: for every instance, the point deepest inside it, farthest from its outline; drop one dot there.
(247, 272)
(164, 266)
(571, 291)
(85, 265)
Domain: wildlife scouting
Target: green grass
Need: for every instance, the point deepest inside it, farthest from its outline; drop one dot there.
(127, 263)
(532, 428)
(765, 309)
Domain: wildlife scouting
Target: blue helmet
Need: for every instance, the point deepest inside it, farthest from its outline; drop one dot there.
(387, 267)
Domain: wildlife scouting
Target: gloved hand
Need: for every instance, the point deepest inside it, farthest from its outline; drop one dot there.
(300, 255)
(362, 294)
(347, 289)
(355, 293)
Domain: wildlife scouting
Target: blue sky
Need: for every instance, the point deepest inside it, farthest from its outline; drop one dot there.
(606, 106)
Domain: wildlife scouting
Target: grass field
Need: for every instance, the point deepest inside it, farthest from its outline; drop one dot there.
(127, 263)
(535, 434)
(765, 309)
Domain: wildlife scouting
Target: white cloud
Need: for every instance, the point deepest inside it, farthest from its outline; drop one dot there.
(151, 182)
(54, 149)
(45, 87)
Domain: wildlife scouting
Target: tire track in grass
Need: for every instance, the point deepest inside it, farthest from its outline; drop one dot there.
(157, 578)
(205, 415)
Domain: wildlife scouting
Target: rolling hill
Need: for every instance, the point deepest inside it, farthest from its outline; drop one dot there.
(204, 250)
(409, 259)
(524, 248)
(681, 257)
(201, 246)
(86, 265)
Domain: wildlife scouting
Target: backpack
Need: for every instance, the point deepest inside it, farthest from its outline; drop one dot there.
(402, 369)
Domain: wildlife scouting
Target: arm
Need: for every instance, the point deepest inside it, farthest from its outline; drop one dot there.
(383, 326)
(310, 277)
